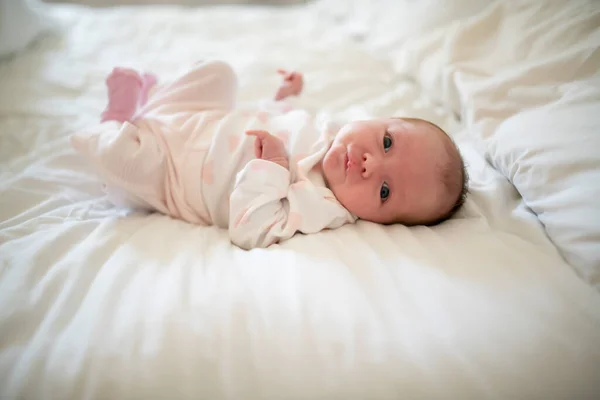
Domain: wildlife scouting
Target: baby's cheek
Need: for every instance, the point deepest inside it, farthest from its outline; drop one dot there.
(355, 198)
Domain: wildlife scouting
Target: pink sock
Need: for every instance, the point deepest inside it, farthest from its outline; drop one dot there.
(124, 91)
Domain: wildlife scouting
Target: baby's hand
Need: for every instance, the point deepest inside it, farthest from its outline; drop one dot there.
(292, 84)
(270, 148)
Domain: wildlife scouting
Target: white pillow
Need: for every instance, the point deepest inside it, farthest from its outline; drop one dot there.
(525, 78)
(552, 156)
(21, 21)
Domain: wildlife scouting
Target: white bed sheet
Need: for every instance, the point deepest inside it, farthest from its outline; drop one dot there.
(96, 304)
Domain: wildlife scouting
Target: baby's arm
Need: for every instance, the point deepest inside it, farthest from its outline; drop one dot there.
(265, 208)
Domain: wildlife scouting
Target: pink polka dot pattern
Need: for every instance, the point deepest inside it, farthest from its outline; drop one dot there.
(233, 142)
(208, 173)
(294, 220)
(263, 117)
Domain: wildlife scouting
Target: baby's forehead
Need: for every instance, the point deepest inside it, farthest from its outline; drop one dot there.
(415, 123)
(420, 130)
(430, 148)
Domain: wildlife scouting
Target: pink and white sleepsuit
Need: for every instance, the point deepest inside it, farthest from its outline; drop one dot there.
(186, 154)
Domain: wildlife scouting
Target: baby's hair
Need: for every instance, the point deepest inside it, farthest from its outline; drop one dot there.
(455, 177)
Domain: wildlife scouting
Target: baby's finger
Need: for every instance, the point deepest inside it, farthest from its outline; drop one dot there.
(257, 133)
(258, 148)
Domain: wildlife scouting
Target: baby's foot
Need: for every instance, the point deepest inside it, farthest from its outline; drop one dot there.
(148, 81)
(124, 90)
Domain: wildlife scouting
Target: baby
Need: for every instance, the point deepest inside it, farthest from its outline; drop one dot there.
(264, 172)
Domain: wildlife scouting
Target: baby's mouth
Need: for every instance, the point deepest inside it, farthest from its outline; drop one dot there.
(346, 162)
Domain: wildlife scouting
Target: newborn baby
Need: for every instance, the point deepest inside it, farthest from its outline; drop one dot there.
(267, 171)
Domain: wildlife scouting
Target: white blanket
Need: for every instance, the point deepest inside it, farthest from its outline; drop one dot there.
(98, 304)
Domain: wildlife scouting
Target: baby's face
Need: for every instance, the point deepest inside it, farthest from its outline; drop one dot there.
(388, 170)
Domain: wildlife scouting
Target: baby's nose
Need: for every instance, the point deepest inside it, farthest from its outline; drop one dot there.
(368, 165)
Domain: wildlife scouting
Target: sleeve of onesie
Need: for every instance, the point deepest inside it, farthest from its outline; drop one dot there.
(265, 208)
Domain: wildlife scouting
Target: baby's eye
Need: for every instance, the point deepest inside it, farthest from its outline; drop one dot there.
(384, 192)
(387, 142)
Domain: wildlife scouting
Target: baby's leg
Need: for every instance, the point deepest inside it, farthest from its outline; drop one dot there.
(208, 85)
(130, 161)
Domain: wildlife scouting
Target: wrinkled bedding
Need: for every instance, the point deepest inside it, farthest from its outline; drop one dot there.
(98, 302)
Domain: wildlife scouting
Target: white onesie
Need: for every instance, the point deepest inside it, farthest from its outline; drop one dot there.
(186, 154)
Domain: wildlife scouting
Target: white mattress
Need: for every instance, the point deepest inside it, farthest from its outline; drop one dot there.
(98, 303)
